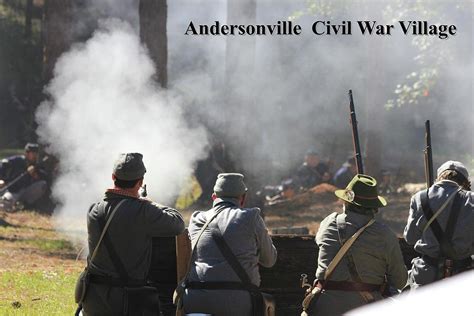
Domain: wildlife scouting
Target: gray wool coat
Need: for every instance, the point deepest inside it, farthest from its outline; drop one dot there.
(425, 243)
(246, 234)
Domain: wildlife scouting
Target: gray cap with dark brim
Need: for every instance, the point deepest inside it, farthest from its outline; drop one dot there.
(129, 167)
(230, 185)
(453, 165)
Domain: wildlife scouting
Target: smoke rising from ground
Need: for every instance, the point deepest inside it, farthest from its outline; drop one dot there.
(103, 102)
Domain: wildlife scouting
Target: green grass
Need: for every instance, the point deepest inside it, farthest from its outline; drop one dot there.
(10, 152)
(51, 244)
(37, 293)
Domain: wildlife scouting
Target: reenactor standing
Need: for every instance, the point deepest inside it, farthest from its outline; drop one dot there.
(375, 256)
(229, 243)
(120, 230)
(441, 226)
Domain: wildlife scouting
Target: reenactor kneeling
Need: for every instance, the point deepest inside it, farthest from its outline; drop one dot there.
(357, 254)
(441, 226)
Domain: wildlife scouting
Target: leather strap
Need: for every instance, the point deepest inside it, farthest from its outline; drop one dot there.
(352, 286)
(217, 210)
(104, 230)
(220, 285)
(256, 295)
(341, 225)
(345, 247)
(444, 238)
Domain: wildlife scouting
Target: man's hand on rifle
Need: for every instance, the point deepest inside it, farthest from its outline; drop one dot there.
(2, 183)
(32, 171)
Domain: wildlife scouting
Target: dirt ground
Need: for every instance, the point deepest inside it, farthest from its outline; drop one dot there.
(29, 242)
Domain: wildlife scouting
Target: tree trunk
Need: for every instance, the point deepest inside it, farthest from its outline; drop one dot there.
(153, 18)
(28, 18)
(57, 26)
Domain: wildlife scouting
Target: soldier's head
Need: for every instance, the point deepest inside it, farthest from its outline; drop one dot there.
(31, 152)
(361, 195)
(231, 186)
(454, 171)
(128, 171)
(311, 158)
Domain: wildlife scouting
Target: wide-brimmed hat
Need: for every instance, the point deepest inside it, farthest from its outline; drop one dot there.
(362, 191)
(230, 185)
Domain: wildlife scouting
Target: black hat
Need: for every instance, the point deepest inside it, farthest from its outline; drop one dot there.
(129, 167)
(32, 147)
(311, 152)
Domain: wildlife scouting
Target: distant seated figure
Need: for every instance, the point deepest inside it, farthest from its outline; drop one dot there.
(22, 179)
(345, 174)
(312, 172)
(386, 186)
(287, 190)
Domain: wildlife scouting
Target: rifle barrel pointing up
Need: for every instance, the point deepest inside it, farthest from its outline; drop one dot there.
(355, 135)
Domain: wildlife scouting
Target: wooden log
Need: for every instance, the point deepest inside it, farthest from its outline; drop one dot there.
(183, 254)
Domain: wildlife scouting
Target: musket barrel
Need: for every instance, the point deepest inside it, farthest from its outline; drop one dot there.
(355, 135)
(428, 156)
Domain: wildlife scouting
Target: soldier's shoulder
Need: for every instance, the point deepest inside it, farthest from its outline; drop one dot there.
(328, 220)
(385, 231)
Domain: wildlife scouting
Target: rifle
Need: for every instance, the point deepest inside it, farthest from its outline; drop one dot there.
(355, 135)
(428, 152)
(22, 175)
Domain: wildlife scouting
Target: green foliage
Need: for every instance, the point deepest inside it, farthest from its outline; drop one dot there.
(430, 54)
(21, 70)
(37, 293)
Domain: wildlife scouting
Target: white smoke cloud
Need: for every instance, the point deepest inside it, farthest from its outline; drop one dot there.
(103, 101)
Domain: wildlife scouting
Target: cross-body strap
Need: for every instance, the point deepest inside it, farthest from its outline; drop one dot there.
(229, 256)
(217, 210)
(104, 230)
(344, 248)
(446, 248)
(454, 215)
(114, 256)
(341, 225)
(429, 212)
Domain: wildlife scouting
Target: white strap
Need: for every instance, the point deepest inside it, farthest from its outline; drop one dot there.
(105, 229)
(441, 209)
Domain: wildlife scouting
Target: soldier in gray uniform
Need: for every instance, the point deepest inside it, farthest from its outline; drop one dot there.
(374, 257)
(245, 233)
(126, 247)
(452, 205)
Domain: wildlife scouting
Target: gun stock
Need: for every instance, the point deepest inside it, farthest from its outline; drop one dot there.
(428, 152)
(355, 135)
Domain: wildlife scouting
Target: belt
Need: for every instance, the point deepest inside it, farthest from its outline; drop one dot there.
(115, 282)
(351, 286)
(221, 285)
(456, 264)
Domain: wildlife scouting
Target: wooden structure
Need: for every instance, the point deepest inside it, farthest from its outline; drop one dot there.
(297, 254)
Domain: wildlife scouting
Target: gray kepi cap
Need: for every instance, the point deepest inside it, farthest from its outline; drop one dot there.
(129, 167)
(453, 165)
(230, 185)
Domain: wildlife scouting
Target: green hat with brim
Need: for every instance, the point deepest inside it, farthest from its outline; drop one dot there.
(362, 191)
